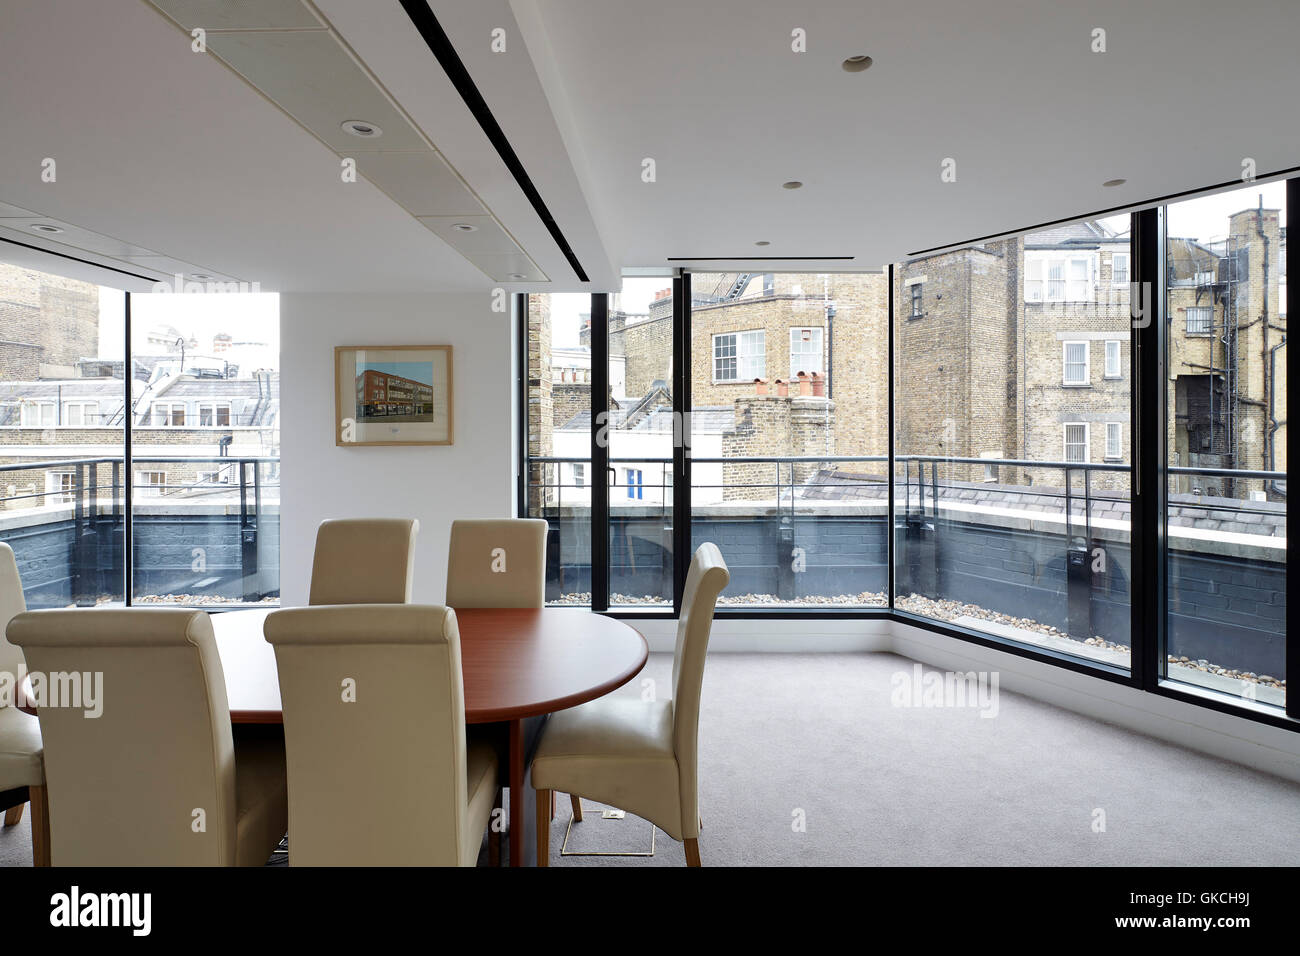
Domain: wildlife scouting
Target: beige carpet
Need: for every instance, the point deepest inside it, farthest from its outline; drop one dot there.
(878, 784)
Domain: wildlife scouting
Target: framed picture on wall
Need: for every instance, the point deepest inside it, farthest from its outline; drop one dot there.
(392, 395)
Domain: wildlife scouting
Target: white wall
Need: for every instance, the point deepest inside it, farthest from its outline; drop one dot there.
(472, 478)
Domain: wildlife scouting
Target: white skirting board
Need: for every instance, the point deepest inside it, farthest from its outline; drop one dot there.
(1270, 749)
(776, 636)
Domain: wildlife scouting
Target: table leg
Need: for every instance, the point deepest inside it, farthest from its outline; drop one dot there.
(523, 833)
(523, 737)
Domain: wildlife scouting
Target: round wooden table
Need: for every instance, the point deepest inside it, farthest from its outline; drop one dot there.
(518, 666)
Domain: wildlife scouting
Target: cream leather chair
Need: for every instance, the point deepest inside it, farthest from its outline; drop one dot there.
(478, 552)
(374, 722)
(156, 779)
(640, 756)
(474, 580)
(364, 561)
(22, 773)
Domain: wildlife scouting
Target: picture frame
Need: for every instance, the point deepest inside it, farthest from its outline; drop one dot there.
(393, 395)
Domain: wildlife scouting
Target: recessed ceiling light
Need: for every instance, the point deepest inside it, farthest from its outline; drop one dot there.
(856, 64)
(45, 227)
(361, 128)
(464, 227)
(1115, 182)
(792, 184)
(762, 242)
(518, 275)
(201, 276)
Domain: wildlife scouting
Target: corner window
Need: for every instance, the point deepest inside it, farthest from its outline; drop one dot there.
(1075, 361)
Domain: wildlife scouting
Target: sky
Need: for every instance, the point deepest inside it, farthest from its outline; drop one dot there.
(253, 317)
(417, 371)
(638, 293)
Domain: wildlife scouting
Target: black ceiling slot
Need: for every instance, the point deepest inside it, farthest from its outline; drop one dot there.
(761, 258)
(89, 262)
(440, 45)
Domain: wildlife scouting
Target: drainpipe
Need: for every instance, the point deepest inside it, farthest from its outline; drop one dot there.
(1265, 351)
(1274, 425)
(830, 350)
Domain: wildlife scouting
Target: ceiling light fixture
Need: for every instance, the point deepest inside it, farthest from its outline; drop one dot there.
(762, 242)
(1115, 182)
(464, 227)
(856, 64)
(200, 276)
(792, 184)
(45, 227)
(518, 275)
(361, 128)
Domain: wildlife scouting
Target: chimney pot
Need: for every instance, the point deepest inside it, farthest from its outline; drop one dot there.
(760, 386)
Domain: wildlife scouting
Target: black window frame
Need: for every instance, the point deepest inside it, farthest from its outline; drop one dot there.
(1148, 343)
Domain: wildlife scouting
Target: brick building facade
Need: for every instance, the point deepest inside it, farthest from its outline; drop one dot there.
(1016, 349)
(45, 320)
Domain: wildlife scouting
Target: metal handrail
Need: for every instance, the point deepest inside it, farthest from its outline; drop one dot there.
(41, 463)
(1007, 462)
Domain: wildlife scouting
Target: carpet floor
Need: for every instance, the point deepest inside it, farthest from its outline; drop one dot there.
(804, 760)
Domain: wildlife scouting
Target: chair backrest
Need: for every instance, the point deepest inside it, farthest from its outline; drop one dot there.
(707, 576)
(150, 781)
(497, 563)
(364, 561)
(374, 729)
(11, 603)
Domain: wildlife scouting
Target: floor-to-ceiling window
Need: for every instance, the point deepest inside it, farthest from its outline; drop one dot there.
(192, 496)
(1013, 407)
(1023, 422)
(1225, 442)
(557, 428)
(639, 434)
(205, 447)
(62, 464)
(789, 435)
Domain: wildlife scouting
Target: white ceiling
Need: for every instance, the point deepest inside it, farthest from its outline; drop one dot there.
(1009, 89)
(172, 153)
